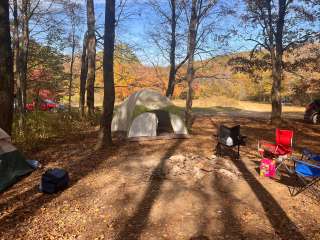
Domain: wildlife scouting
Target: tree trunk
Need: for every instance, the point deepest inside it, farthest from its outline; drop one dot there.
(16, 43)
(172, 73)
(22, 61)
(71, 67)
(276, 92)
(24, 51)
(192, 38)
(83, 75)
(277, 68)
(6, 69)
(91, 54)
(17, 70)
(105, 138)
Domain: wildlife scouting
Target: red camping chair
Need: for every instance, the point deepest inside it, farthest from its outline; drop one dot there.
(280, 150)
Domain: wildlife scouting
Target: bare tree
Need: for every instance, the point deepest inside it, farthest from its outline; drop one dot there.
(105, 138)
(73, 15)
(22, 58)
(83, 75)
(168, 40)
(16, 48)
(91, 56)
(192, 38)
(73, 43)
(199, 32)
(6, 69)
(172, 72)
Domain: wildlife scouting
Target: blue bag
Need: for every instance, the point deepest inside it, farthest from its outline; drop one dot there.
(54, 180)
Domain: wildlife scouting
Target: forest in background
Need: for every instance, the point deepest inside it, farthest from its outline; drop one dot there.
(216, 77)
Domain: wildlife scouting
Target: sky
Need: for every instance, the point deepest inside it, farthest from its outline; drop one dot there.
(134, 31)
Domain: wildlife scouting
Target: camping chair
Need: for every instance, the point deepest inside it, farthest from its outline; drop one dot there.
(280, 150)
(309, 155)
(307, 175)
(229, 138)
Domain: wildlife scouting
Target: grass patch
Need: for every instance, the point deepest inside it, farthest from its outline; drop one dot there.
(43, 126)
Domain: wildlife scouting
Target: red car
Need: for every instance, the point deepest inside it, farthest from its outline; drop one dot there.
(45, 105)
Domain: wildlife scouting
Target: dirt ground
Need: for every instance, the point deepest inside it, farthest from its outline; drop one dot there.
(139, 190)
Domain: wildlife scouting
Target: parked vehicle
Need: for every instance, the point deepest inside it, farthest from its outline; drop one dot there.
(312, 112)
(49, 105)
(44, 105)
(30, 106)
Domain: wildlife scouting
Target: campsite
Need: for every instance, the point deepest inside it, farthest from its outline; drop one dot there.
(139, 190)
(159, 120)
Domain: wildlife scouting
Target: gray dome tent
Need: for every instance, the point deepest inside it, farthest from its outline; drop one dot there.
(13, 165)
(147, 113)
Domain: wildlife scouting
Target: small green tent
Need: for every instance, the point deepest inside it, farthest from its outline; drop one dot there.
(13, 164)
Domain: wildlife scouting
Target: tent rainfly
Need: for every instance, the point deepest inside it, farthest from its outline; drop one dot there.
(147, 113)
(13, 165)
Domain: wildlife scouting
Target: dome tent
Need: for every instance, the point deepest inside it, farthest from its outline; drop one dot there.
(147, 113)
(13, 165)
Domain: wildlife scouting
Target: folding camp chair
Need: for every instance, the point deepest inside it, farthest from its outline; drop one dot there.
(280, 150)
(229, 138)
(309, 155)
(307, 175)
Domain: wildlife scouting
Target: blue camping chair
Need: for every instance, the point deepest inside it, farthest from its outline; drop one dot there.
(307, 174)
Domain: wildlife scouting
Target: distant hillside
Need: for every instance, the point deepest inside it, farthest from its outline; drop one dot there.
(213, 77)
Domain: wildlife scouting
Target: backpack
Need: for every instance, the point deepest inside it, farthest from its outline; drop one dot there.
(54, 180)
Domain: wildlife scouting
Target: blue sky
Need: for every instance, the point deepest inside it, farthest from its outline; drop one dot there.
(134, 31)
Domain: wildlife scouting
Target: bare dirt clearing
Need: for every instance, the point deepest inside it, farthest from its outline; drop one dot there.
(166, 189)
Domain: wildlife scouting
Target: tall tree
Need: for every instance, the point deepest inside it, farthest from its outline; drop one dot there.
(16, 48)
(172, 74)
(91, 56)
(22, 57)
(105, 137)
(201, 25)
(6, 69)
(83, 74)
(172, 35)
(192, 38)
(174, 68)
(276, 53)
(72, 59)
(281, 25)
(73, 15)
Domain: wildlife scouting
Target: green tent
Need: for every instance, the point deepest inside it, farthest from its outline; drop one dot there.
(148, 114)
(13, 164)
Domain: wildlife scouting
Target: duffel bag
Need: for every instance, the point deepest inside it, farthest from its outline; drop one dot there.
(54, 180)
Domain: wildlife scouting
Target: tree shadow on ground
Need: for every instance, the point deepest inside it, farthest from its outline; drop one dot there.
(278, 218)
(199, 237)
(32, 200)
(231, 224)
(281, 223)
(134, 226)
